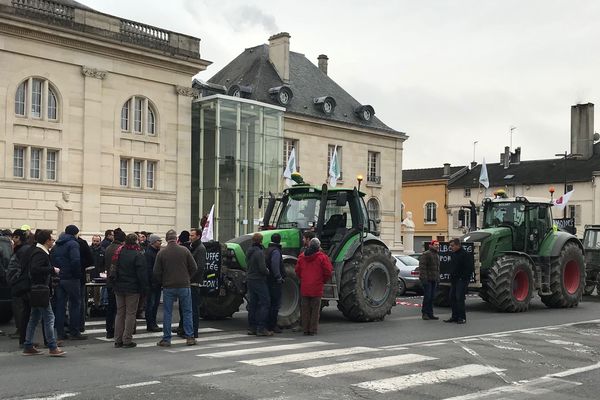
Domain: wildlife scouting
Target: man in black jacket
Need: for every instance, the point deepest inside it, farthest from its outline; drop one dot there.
(87, 261)
(41, 270)
(21, 308)
(111, 310)
(199, 254)
(153, 297)
(259, 299)
(274, 261)
(461, 270)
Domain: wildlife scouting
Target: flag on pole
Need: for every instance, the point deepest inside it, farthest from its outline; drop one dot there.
(334, 169)
(290, 168)
(562, 201)
(207, 232)
(483, 176)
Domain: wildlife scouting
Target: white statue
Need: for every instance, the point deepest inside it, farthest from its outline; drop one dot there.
(65, 211)
(409, 233)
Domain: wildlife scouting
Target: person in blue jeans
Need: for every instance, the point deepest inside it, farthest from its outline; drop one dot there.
(66, 256)
(429, 275)
(259, 298)
(173, 268)
(41, 270)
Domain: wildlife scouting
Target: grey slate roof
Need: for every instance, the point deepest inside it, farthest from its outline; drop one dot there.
(307, 81)
(533, 172)
(427, 174)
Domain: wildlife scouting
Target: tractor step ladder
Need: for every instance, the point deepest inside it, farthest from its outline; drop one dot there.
(330, 289)
(543, 272)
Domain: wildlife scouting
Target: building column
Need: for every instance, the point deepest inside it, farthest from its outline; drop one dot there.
(184, 158)
(397, 245)
(92, 149)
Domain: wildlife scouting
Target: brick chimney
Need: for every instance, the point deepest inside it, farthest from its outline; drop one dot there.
(323, 63)
(505, 157)
(279, 54)
(582, 130)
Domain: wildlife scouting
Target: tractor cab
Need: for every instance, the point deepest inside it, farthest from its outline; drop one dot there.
(529, 220)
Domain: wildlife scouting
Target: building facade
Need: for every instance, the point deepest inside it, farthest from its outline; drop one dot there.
(321, 117)
(96, 121)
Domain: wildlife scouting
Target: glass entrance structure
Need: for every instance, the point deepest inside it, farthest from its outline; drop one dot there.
(237, 156)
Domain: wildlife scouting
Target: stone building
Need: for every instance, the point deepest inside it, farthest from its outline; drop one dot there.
(96, 107)
(320, 116)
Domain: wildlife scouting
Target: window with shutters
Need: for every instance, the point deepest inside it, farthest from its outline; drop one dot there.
(430, 212)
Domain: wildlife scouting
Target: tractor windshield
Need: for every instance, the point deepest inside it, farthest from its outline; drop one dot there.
(299, 212)
(503, 214)
(591, 240)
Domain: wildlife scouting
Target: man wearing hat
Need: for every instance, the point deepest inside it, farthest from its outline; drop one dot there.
(67, 257)
(429, 275)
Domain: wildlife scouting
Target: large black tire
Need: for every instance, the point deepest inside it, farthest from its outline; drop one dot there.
(567, 278)
(220, 307)
(5, 312)
(368, 285)
(442, 296)
(289, 312)
(509, 284)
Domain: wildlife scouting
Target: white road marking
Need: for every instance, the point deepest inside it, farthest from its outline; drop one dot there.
(433, 344)
(257, 350)
(361, 365)
(160, 334)
(153, 344)
(575, 371)
(103, 330)
(94, 323)
(572, 346)
(470, 340)
(56, 397)
(314, 355)
(426, 378)
(222, 372)
(479, 358)
(139, 384)
(201, 346)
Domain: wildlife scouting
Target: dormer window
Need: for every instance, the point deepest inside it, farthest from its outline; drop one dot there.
(365, 113)
(282, 94)
(326, 104)
(240, 91)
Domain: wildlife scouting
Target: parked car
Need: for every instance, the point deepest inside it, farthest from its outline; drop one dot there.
(408, 274)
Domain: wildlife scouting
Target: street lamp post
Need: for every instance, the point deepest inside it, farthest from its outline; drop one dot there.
(566, 156)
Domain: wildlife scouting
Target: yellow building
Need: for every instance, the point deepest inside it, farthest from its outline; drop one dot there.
(425, 195)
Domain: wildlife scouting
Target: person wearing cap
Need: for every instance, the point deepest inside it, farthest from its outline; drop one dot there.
(313, 270)
(153, 296)
(429, 275)
(66, 255)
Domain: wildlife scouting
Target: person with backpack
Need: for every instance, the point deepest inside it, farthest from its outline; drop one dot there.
(40, 270)
(19, 282)
(274, 261)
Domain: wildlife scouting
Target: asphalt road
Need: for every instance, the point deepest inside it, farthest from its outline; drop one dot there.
(541, 354)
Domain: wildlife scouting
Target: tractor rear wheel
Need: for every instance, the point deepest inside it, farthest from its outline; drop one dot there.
(289, 311)
(567, 278)
(442, 296)
(220, 307)
(368, 285)
(509, 286)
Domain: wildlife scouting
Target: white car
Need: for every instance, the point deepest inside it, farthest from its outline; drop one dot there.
(408, 273)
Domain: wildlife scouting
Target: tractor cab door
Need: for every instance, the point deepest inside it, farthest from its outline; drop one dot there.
(338, 220)
(538, 227)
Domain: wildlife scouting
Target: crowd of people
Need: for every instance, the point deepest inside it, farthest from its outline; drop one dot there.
(47, 279)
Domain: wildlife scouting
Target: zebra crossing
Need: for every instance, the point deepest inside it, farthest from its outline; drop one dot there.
(379, 370)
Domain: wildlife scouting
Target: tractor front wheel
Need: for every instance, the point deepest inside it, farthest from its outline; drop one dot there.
(509, 285)
(220, 307)
(567, 278)
(369, 285)
(289, 311)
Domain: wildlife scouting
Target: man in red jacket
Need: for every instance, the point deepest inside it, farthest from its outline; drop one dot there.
(313, 269)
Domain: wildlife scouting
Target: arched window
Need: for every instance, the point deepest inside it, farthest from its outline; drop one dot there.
(138, 116)
(373, 209)
(430, 212)
(43, 98)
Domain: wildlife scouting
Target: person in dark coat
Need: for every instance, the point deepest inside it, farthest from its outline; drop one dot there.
(274, 261)
(87, 261)
(132, 280)
(111, 309)
(199, 253)
(66, 255)
(259, 299)
(313, 270)
(20, 303)
(461, 270)
(153, 297)
(109, 236)
(429, 275)
(41, 269)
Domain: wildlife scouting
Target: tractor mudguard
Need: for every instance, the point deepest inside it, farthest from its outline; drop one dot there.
(347, 252)
(559, 241)
(290, 258)
(520, 253)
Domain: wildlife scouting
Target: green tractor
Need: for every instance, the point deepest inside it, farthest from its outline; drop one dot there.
(365, 278)
(521, 251)
(591, 244)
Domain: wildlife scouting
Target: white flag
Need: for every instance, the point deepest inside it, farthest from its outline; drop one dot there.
(483, 176)
(290, 168)
(207, 232)
(562, 201)
(334, 169)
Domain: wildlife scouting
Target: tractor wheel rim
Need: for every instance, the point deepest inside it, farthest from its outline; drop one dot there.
(290, 297)
(571, 277)
(376, 284)
(520, 286)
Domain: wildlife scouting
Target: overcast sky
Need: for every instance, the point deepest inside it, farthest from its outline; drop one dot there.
(447, 73)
